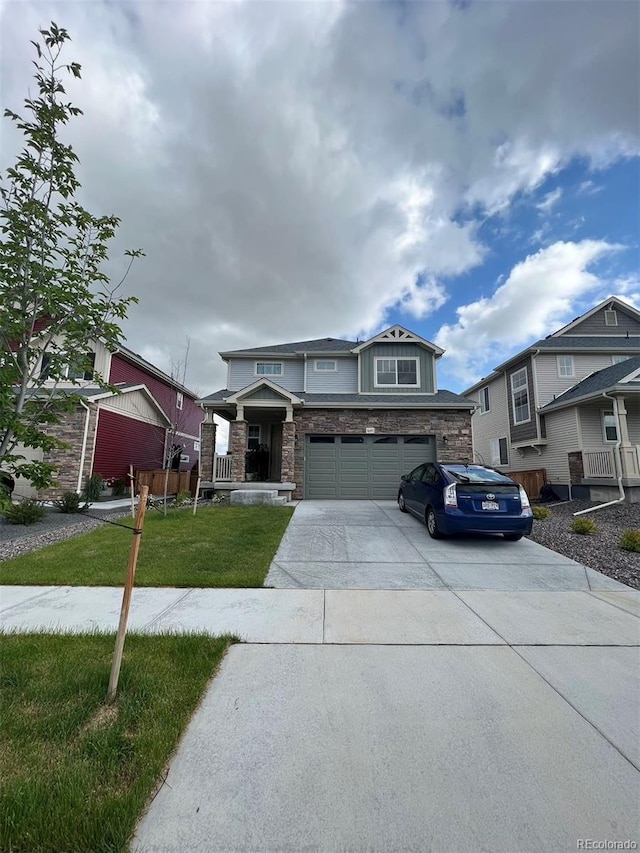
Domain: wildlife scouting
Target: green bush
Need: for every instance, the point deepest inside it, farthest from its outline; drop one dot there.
(93, 488)
(183, 498)
(540, 512)
(120, 487)
(69, 502)
(630, 540)
(28, 511)
(584, 526)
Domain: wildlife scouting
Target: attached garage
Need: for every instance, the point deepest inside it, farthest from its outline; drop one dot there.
(362, 467)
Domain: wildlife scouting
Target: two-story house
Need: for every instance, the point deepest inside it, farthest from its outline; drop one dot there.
(151, 418)
(338, 419)
(569, 404)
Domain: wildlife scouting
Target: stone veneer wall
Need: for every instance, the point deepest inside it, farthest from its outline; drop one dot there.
(287, 469)
(238, 448)
(576, 467)
(455, 424)
(207, 449)
(71, 431)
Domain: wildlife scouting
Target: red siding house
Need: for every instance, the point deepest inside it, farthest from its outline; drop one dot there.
(150, 422)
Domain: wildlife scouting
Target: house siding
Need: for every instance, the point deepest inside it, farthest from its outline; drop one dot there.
(522, 432)
(123, 441)
(187, 419)
(136, 404)
(633, 419)
(595, 325)
(264, 394)
(563, 437)
(242, 373)
(591, 424)
(384, 350)
(343, 381)
(491, 424)
(551, 385)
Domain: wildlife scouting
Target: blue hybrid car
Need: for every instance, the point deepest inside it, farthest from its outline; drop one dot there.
(459, 498)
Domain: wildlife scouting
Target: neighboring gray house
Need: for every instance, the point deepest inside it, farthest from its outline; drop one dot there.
(339, 419)
(569, 404)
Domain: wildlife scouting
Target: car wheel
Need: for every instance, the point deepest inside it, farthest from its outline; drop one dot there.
(513, 537)
(401, 504)
(432, 525)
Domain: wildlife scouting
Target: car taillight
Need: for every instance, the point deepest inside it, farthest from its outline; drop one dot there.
(450, 495)
(524, 499)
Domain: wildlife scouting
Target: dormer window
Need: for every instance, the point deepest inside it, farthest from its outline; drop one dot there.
(268, 368)
(610, 317)
(398, 372)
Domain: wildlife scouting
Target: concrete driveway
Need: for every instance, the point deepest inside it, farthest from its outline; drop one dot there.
(464, 696)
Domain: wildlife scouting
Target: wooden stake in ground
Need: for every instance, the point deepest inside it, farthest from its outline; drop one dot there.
(195, 498)
(126, 597)
(132, 489)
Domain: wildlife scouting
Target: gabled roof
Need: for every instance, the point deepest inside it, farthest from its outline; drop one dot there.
(611, 302)
(238, 396)
(95, 394)
(398, 334)
(320, 345)
(138, 360)
(624, 376)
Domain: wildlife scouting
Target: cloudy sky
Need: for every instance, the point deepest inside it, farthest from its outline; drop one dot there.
(469, 169)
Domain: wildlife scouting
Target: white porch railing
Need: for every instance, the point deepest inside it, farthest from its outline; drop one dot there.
(222, 468)
(599, 463)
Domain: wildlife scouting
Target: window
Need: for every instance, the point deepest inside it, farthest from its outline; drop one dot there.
(44, 366)
(416, 439)
(253, 436)
(179, 400)
(196, 445)
(417, 473)
(610, 318)
(616, 359)
(83, 368)
(499, 451)
(387, 439)
(565, 365)
(520, 397)
(268, 368)
(484, 400)
(400, 372)
(323, 366)
(321, 439)
(609, 427)
(352, 439)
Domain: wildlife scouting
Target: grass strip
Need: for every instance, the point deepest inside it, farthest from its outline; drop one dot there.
(76, 774)
(221, 546)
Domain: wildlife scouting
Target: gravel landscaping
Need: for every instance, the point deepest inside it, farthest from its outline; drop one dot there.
(599, 551)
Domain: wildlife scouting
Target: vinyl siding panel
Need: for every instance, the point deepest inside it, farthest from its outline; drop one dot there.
(595, 325)
(343, 381)
(550, 384)
(591, 424)
(633, 420)
(135, 404)
(491, 424)
(122, 441)
(383, 350)
(242, 373)
(562, 433)
(264, 394)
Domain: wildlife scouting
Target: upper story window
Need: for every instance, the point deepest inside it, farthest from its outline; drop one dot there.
(616, 359)
(399, 372)
(611, 317)
(565, 366)
(609, 427)
(179, 399)
(520, 397)
(81, 368)
(484, 400)
(268, 368)
(322, 365)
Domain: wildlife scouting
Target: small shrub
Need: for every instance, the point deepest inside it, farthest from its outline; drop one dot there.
(183, 498)
(584, 526)
(120, 487)
(69, 502)
(540, 512)
(630, 540)
(28, 511)
(93, 488)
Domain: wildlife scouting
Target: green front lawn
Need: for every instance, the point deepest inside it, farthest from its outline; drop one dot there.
(75, 774)
(220, 546)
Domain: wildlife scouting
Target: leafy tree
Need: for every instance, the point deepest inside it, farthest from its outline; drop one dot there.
(54, 295)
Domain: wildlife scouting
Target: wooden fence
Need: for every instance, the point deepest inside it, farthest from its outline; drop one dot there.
(178, 481)
(532, 480)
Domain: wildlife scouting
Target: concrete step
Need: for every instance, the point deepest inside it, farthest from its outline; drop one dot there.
(254, 497)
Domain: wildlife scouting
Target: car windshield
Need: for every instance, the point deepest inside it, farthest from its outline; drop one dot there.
(475, 474)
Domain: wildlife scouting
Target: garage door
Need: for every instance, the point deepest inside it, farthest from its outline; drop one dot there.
(361, 467)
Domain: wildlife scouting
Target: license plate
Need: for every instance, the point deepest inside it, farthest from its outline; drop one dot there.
(490, 505)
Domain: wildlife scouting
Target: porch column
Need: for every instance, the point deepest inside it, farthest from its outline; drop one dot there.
(238, 447)
(622, 421)
(628, 455)
(287, 472)
(208, 449)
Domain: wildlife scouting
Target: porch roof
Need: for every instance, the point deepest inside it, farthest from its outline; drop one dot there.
(619, 377)
(440, 400)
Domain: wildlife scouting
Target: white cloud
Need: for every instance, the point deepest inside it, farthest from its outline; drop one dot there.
(549, 200)
(296, 170)
(537, 298)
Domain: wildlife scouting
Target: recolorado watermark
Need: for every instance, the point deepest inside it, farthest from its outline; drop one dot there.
(592, 844)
